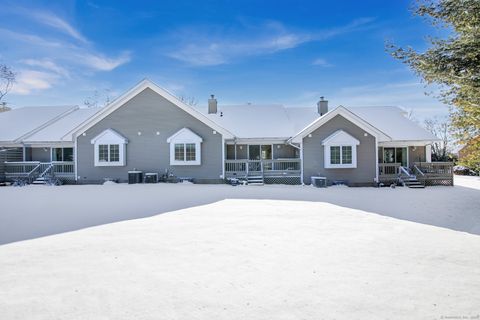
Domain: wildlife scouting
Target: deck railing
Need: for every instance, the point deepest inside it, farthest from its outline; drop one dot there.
(266, 167)
(430, 173)
(32, 169)
(388, 171)
(435, 173)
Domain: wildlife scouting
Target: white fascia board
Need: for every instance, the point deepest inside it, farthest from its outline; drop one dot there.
(184, 135)
(406, 143)
(340, 110)
(49, 144)
(112, 137)
(258, 141)
(340, 138)
(142, 85)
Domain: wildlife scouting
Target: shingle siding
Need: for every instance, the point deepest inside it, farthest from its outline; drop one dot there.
(313, 154)
(150, 113)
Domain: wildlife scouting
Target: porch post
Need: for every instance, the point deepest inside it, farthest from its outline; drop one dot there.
(301, 162)
(376, 160)
(223, 157)
(24, 153)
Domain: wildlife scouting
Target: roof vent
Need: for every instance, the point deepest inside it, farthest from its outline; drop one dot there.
(212, 104)
(322, 106)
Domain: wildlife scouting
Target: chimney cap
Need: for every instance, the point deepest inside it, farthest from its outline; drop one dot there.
(212, 96)
(322, 98)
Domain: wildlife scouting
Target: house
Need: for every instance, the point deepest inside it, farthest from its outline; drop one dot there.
(149, 129)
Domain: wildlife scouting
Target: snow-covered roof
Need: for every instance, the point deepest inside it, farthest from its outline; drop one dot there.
(251, 121)
(17, 123)
(393, 122)
(41, 124)
(61, 127)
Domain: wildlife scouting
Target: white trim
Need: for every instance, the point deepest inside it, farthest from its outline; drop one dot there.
(224, 158)
(301, 163)
(75, 159)
(377, 166)
(428, 153)
(406, 143)
(347, 114)
(142, 85)
(185, 136)
(339, 139)
(109, 137)
(259, 141)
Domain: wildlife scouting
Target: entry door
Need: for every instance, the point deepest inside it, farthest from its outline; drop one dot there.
(254, 152)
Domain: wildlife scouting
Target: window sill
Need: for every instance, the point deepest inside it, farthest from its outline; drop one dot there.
(109, 164)
(341, 166)
(185, 163)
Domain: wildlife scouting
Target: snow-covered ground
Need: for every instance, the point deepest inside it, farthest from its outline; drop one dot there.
(272, 252)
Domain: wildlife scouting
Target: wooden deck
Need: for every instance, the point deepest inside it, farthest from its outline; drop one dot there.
(31, 170)
(429, 173)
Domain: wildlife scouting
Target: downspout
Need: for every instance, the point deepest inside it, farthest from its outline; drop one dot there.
(223, 157)
(301, 163)
(376, 160)
(289, 142)
(75, 158)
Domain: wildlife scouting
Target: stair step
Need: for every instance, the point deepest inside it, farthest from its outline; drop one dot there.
(38, 182)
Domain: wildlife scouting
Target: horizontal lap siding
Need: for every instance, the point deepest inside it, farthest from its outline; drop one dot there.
(148, 113)
(366, 156)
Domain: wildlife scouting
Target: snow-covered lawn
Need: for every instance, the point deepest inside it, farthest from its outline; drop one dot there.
(272, 252)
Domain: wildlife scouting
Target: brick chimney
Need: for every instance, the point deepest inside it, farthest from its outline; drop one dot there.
(212, 104)
(322, 106)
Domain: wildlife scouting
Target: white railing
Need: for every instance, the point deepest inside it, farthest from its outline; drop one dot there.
(61, 168)
(32, 169)
(276, 166)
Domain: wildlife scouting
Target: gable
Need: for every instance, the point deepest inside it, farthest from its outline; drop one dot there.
(345, 114)
(340, 138)
(134, 92)
(109, 136)
(184, 135)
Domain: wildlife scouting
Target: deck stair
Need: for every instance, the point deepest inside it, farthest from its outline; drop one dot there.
(256, 180)
(408, 179)
(44, 175)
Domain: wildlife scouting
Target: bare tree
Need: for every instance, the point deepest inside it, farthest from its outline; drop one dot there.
(440, 127)
(98, 99)
(7, 79)
(191, 101)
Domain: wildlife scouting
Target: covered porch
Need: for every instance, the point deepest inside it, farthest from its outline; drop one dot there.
(263, 163)
(38, 163)
(397, 163)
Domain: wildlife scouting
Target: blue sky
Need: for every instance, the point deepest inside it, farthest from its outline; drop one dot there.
(288, 52)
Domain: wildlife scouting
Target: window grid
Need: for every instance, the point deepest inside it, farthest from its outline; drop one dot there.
(114, 153)
(179, 152)
(334, 155)
(103, 152)
(347, 155)
(190, 152)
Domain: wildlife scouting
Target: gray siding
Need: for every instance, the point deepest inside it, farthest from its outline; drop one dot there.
(283, 151)
(148, 113)
(313, 154)
(9, 154)
(38, 154)
(417, 155)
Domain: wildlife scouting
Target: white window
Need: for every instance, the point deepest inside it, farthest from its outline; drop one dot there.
(340, 150)
(109, 149)
(185, 148)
